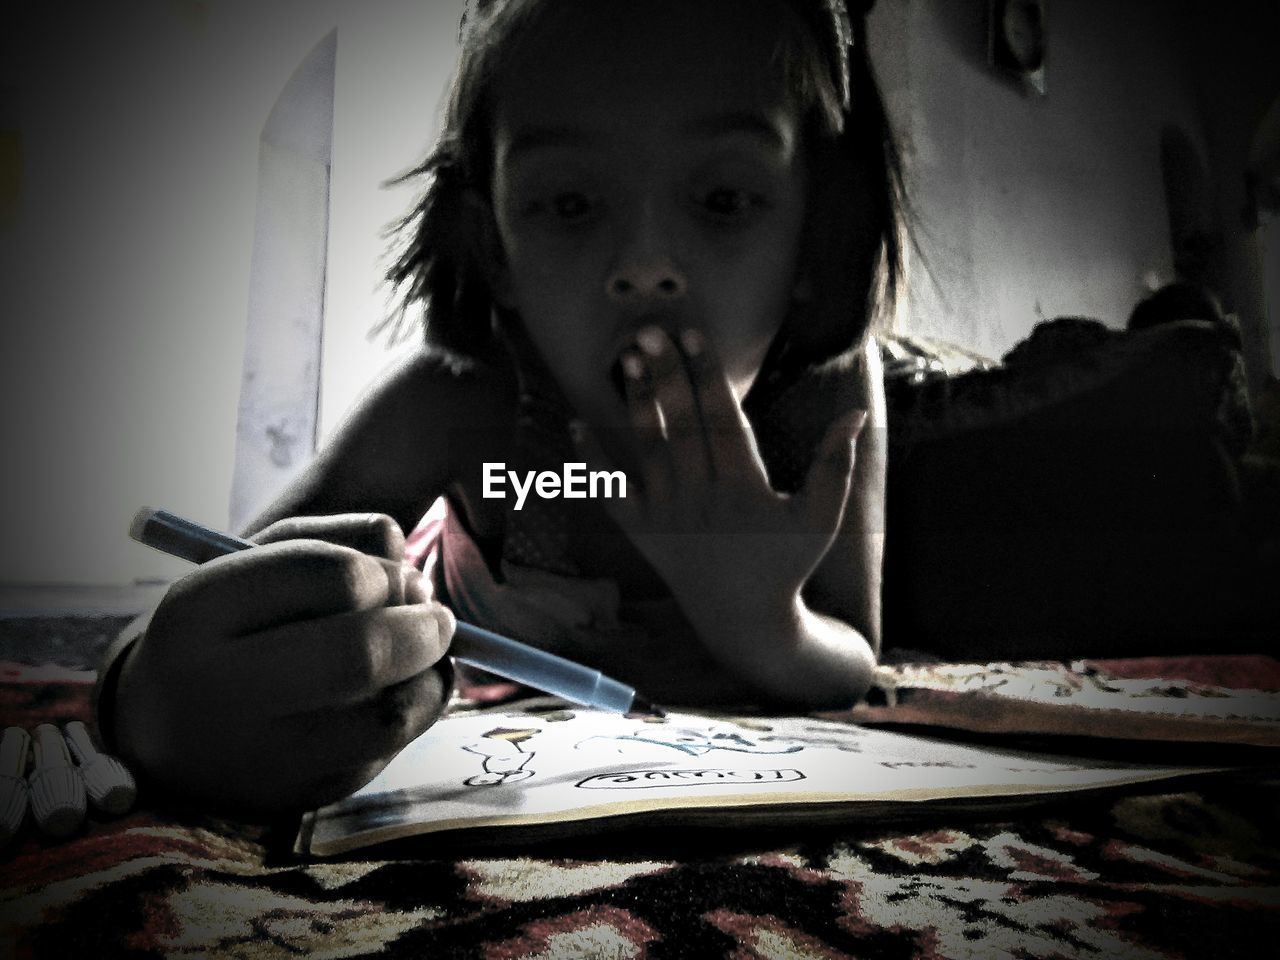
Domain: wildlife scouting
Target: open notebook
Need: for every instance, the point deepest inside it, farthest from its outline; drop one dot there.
(535, 767)
(1214, 700)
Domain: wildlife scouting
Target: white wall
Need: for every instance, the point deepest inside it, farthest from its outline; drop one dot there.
(124, 270)
(394, 62)
(1033, 207)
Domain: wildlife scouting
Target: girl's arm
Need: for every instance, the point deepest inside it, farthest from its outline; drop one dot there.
(847, 583)
(399, 449)
(821, 651)
(843, 597)
(287, 676)
(783, 591)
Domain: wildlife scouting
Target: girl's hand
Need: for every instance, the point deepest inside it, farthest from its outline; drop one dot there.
(733, 551)
(286, 676)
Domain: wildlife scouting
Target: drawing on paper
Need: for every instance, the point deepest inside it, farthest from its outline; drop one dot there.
(632, 779)
(695, 742)
(505, 760)
(492, 769)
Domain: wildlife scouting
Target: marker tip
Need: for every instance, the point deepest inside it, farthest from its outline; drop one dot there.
(642, 706)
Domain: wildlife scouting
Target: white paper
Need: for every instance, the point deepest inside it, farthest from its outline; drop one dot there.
(512, 767)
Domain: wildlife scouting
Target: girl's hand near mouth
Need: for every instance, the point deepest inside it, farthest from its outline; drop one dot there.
(735, 553)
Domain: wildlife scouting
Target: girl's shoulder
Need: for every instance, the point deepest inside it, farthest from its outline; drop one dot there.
(434, 386)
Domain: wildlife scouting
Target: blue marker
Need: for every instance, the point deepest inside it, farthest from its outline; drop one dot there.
(489, 651)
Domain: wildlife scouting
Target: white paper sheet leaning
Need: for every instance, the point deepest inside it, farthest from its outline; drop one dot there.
(524, 767)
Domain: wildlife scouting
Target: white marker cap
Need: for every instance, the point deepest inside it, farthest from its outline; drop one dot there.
(58, 800)
(108, 782)
(14, 746)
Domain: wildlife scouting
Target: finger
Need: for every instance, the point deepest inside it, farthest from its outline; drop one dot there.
(310, 759)
(819, 504)
(624, 509)
(416, 587)
(653, 456)
(373, 730)
(673, 393)
(372, 533)
(344, 659)
(277, 584)
(730, 447)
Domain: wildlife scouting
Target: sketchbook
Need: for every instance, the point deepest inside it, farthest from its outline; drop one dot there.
(531, 769)
(1217, 700)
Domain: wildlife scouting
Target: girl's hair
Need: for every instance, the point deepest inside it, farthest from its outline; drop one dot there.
(852, 257)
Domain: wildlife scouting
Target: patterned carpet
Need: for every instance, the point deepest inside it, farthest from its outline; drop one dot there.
(1185, 871)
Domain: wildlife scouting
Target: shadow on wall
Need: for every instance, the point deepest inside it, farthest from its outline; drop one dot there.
(964, 26)
(1197, 244)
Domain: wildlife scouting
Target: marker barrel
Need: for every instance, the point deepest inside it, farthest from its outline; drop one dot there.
(537, 668)
(180, 537)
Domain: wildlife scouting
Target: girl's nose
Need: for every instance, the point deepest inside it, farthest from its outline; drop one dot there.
(647, 280)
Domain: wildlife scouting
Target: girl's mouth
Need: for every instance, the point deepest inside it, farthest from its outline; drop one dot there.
(617, 378)
(626, 340)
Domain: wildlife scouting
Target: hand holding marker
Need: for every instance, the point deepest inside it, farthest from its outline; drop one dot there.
(481, 648)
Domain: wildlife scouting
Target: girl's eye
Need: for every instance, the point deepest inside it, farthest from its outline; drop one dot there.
(571, 206)
(730, 204)
(564, 208)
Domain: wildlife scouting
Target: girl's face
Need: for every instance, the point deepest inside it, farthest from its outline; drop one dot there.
(648, 170)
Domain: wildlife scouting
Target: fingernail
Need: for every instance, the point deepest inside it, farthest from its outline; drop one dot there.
(448, 621)
(415, 587)
(857, 420)
(632, 366)
(650, 341)
(692, 342)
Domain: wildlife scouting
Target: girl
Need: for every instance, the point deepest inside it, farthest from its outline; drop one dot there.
(653, 238)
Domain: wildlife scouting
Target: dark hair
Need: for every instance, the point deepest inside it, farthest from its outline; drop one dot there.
(1180, 300)
(853, 235)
